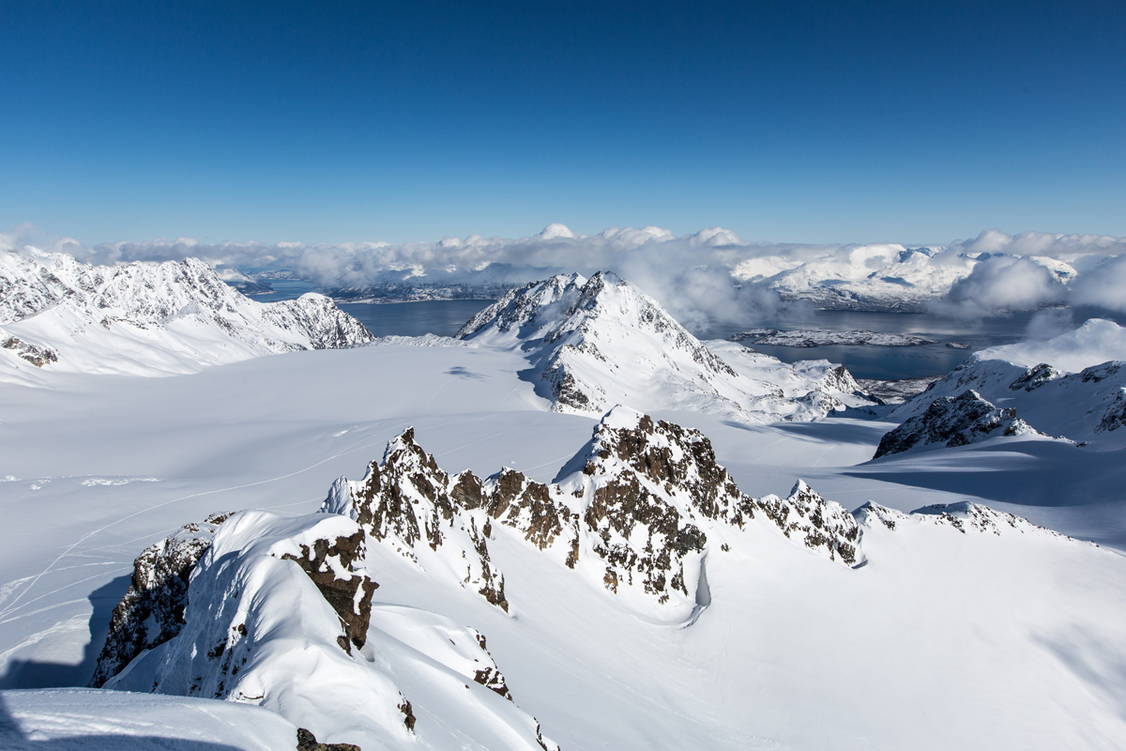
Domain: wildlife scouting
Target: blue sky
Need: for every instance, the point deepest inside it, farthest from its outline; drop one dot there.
(802, 121)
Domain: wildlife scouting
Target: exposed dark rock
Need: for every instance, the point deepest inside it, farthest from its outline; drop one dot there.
(1035, 377)
(306, 741)
(954, 421)
(152, 610)
(341, 593)
(33, 353)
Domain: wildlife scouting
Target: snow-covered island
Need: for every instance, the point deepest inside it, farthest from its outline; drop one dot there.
(826, 337)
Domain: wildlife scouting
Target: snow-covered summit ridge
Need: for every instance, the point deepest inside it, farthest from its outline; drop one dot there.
(593, 343)
(635, 512)
(279, 613)
(152, 318)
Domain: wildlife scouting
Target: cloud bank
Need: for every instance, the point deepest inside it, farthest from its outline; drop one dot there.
(708, 277)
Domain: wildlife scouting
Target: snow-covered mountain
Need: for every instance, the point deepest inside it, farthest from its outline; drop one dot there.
(278, 613)
(867, 277)
(954, 421)
(593, 343)
(350, 623)
(1085, 406)
(149, 318)
(628, 512)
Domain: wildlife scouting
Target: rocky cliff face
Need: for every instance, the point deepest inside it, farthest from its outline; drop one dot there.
(954, 421)
(152, 610)
(633, 511)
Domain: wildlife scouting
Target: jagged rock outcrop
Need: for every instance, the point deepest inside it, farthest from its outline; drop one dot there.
(1035, 377)
(954, 421)
(275, 612)
(179, 314)
(152, 610)
(404, 502)
(593, 343)
(34, 354)
(821, 525)
(632, 511)
(306, 741)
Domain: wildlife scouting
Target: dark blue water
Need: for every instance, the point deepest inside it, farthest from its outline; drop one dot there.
(445, 317)
(867, 361)
(285, 289)
(442, 317)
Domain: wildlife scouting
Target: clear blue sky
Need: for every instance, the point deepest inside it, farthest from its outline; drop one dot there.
(815, 121)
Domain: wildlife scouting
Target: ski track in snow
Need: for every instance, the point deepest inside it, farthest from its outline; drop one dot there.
(14, 606)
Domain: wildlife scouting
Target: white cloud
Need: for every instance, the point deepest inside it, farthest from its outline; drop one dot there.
(1103, 285)
(1003, 284)
(707, 276)
(1096, 341)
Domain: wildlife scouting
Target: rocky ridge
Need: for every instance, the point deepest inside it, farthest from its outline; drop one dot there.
(954, 421)
(633, 511)
(1086, 406)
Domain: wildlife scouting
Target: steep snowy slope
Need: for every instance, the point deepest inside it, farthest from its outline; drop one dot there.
(279, 614)
(147, 318)
(596, 342)
(1088, 405)
(953, 626)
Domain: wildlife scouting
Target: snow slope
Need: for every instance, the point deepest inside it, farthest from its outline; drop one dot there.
(947, 636)
(593, 343)
(147, 318)
(1096, 341)
(75, 719)
(1035, 654)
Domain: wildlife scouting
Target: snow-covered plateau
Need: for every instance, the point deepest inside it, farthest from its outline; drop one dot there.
(576, 526)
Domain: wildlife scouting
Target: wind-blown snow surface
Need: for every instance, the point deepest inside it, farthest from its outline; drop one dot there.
(88, 720)
(147, 318)
(944, 638)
